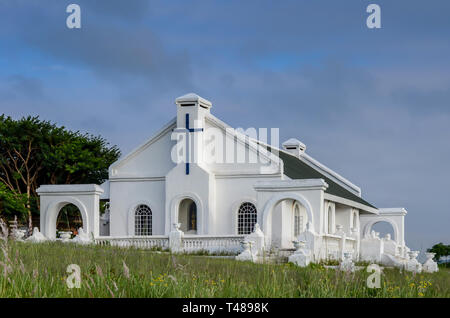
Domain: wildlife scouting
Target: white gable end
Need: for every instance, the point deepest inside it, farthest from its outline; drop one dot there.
(232, 155)
(150, 160)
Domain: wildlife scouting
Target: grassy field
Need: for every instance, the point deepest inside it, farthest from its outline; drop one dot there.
(39, 270)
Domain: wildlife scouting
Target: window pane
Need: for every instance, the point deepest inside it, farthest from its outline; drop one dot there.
(143, 220)
(246, 218)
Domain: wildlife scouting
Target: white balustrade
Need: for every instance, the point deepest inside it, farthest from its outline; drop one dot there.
(212, 243)
(334, 248)
(144, 242)
(190, 243)
(332, 245)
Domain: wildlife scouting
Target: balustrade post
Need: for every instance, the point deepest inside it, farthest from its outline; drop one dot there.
(176, 239)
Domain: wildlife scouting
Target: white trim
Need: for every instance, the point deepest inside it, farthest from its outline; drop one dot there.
(291, 185)
(393, 211)
(137, 179)
(243, 175)
(69, 189)
(351, 203)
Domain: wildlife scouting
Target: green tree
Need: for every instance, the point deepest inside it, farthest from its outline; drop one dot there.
(440, 250)
(12, 203)
(35, 152)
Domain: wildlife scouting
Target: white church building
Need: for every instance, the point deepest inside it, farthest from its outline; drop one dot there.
(200, 184)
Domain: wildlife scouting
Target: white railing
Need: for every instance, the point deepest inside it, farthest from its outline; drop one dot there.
(189, 243)
(332, 246)
(350, 245)
(145, 242)
(212, 243)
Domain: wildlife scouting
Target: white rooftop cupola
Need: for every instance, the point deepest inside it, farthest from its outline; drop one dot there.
(294, 146)
(191, 111)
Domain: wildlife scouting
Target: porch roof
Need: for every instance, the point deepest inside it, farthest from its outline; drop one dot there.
(295, 168)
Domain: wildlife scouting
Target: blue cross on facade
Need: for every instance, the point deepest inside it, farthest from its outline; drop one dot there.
(189, 130)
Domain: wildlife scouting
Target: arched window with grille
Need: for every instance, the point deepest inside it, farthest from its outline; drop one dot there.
(143, 220)
(246, 218)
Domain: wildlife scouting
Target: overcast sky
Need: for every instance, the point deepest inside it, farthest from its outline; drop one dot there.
(374, 105)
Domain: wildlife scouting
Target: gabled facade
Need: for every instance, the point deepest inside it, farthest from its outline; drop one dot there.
(212, 180)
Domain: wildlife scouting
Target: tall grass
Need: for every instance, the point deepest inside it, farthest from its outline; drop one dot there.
(39, 270)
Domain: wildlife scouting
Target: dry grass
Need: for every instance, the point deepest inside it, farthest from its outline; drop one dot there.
(39, 270)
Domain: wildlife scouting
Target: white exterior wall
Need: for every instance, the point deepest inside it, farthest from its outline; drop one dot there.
(232, 192)
(343, 217)
(126, 195)
(139, 178)
(197, 186)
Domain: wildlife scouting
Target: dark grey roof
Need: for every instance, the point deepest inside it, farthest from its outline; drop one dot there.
(294, 168)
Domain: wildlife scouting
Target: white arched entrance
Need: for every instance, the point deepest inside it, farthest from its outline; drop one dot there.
(393, 216)
(53, 211)
(274, 201)
(86, 197)
(177, 205)
(307, 192)
(368, 227)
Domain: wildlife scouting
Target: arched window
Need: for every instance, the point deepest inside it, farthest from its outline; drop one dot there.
(246, 218)
(355, 220)
(143, 220)
(298, 220)
(330, 221)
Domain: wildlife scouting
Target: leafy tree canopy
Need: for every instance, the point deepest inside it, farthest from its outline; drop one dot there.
(12, 203)
(35, 152)
(440, 250)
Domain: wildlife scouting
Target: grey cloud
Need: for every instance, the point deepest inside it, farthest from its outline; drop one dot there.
(19, 86)
(115, 51)
(116, 9)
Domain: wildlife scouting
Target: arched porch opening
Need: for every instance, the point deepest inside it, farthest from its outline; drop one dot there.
(55, 220)
(177, 206)
(187, 216)
(384, 226)
(279, 218)
(69, 220)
